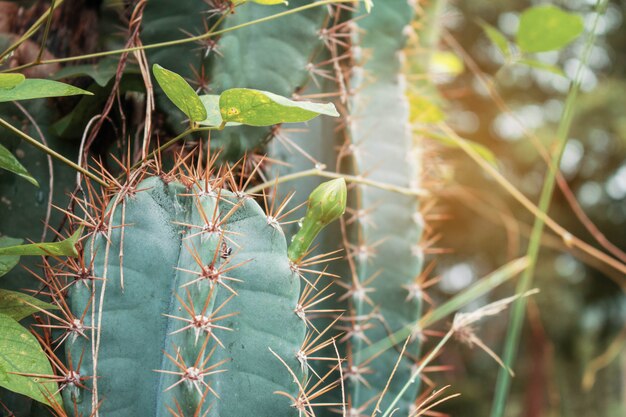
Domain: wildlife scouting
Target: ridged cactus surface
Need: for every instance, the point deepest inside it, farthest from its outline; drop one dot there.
(207, 290)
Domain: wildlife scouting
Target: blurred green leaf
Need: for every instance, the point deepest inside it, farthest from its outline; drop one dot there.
(20, 353)
(9, 162)
(546, 28)
(263, 2)
(422, 110)
(101, 72)
(483, 151)
(32, 88)
(65, 247)
(262, 108)
(446, 62)
(17, 305)
(541, 66)
(7, 263)
(10, 80)
(180, 93)
(497, 38)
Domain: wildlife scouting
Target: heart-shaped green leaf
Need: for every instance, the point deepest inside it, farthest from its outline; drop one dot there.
(546, 28)
(180, 93)
(20, 353)
(17, 305)
(32, 88)
(7, 263)
(262, 108)
(9, 162)
(10, 80)
(65, 247)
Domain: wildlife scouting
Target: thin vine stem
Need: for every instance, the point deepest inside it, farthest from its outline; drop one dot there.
(175, 42)
(51, 152)
(317, 172)
(519, 307)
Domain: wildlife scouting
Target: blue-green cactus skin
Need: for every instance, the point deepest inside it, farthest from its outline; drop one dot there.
(138, 323)
(390, 229)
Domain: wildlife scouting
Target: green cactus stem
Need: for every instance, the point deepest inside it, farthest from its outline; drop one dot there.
(193, 287)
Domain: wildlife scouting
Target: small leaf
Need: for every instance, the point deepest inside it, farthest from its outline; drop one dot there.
(20, 353)
(65, 247)
(482, 150)
(10, 80)
(263, 2)
(17, 305)
(180, 93)
(101, 72)
(211, 104)
(10, 163)
(497, 38)
(542, 66)
(422, 110)
(32, 88)
(546, 28)
(262, 108)
(445, 62)
(7, 263)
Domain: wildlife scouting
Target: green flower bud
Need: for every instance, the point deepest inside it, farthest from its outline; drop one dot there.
(326, 204)
(328, 201)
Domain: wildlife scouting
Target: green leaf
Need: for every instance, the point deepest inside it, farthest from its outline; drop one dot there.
(211, 104)
(21, 353)
(422, 110)
(262, 108)
(7, 263)
(497, 38)
(541, 66)
(445, 62)
(10, 163)
(263, 2)
(66, 247)
(180, 93)
(101, 72)
(546, 28)
(32, 88)
(17, 305)
(483, 151)
(10, 80)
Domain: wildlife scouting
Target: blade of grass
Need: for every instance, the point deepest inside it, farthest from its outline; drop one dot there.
(480, 288)
(519, 308)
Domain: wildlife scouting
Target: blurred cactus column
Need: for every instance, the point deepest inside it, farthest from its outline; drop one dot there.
(386, 227)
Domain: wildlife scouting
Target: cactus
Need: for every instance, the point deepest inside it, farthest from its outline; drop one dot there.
(384, 244)
(186, 303)
(273, 56)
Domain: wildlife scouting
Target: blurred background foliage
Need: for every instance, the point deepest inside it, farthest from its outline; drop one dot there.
(579, 311)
